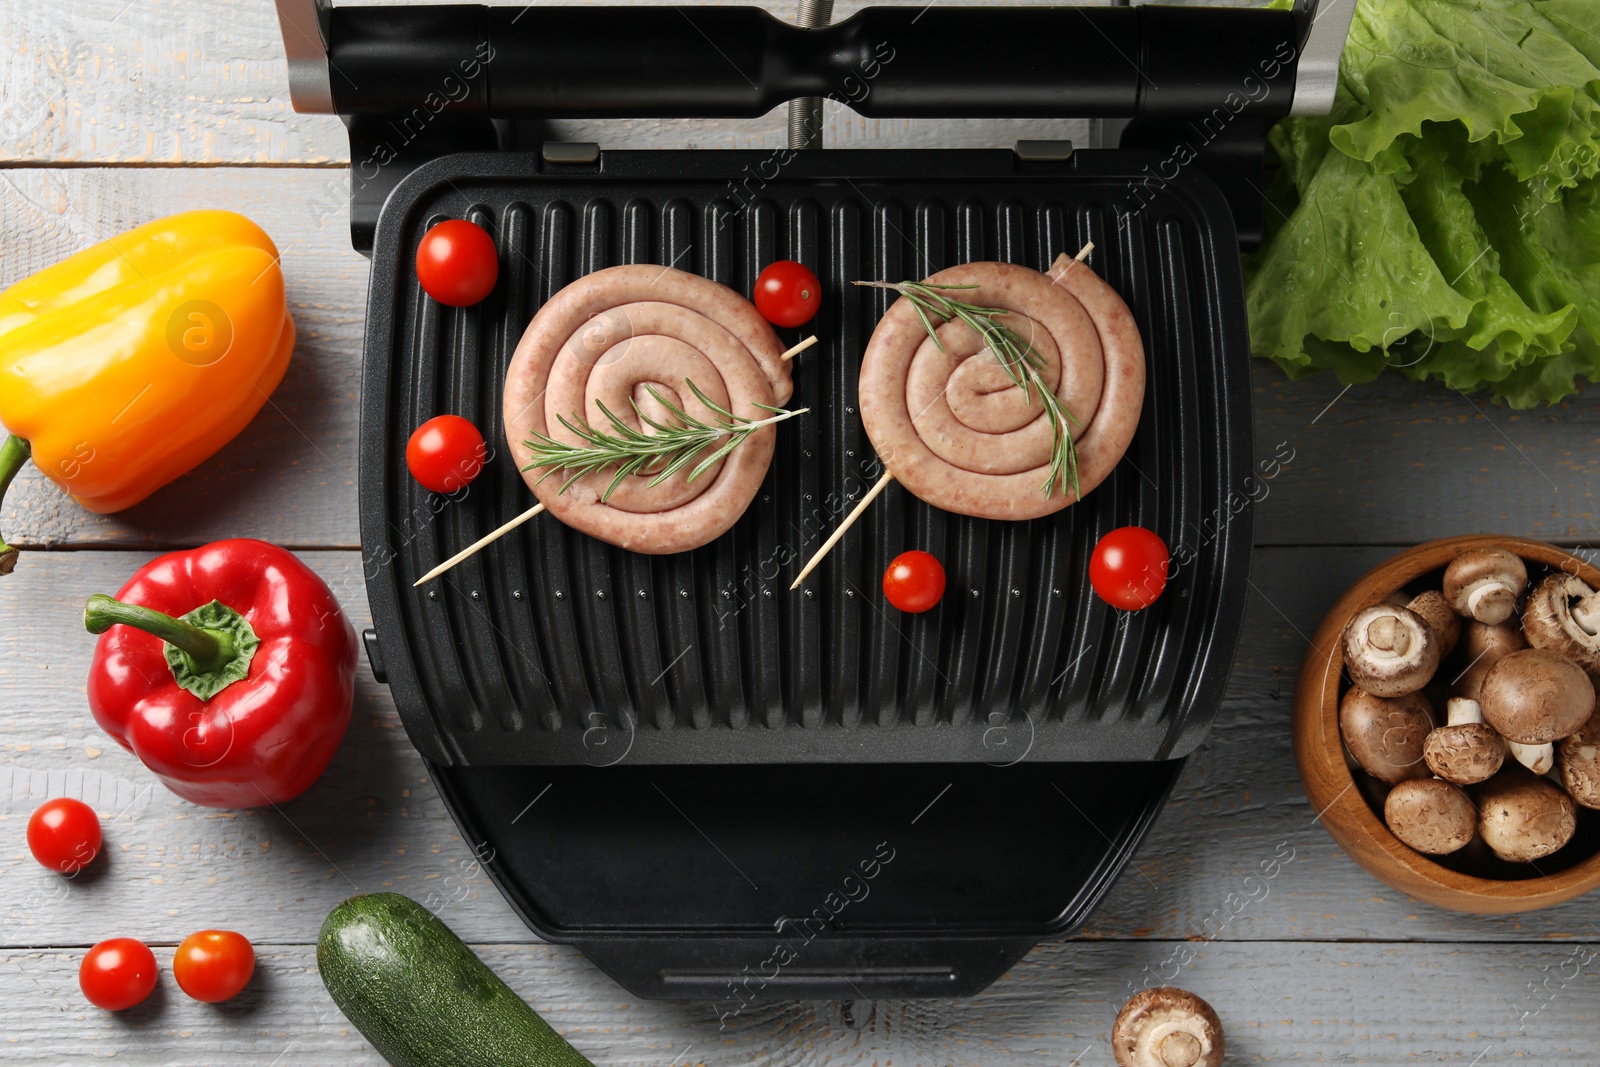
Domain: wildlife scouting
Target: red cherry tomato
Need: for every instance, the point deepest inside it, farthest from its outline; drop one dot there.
(214, 965)
(118, 973)
(787, 293)
(457, 263)
(446, 453)
(914, 581)
(1129, 568)
(64, 835)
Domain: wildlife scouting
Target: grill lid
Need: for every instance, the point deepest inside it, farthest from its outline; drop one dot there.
(551, 647)
(414, 82)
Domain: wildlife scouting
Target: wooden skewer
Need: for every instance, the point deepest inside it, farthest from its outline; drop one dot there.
(803, 345)
(492, 535)
(849, 520)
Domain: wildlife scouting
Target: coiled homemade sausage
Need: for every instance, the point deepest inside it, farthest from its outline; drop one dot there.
(605, 338)
(952, 426)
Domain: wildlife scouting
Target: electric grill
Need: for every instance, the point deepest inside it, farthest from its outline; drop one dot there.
(715, 787)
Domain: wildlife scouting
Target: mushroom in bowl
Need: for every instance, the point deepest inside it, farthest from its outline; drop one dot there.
(1523, 817)
(1431, 815)
(1563, 615)
(1484, 584)
(1533, 698)
(1386, 736)
(1390, 651)
(1408, 828)
(1466, 750)
(1481, 647)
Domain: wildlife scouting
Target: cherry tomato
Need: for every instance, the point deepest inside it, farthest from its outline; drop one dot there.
(914, 581)
(457, 263)
(1129, 568)
(64, 835)
(214, 965)
(787, 293)
(118, 973)
(446, 453)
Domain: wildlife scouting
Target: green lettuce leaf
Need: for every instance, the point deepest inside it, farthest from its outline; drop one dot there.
(1444, 221)
(1485, 63)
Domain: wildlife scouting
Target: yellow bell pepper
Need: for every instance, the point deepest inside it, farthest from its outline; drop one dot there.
(134, 360)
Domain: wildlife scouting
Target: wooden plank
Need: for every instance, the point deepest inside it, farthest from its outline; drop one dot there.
(290, 476)
(1397, 462)
(205, 82)
(177, 82)
(1392, 462)
(1279, 1003)
(375, 821)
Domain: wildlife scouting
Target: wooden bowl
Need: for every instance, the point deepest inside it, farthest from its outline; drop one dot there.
(1478, 884)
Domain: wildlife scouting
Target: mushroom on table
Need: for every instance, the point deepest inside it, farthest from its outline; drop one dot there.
(1167, 1027)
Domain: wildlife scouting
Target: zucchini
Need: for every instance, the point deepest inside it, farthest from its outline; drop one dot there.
(422, 997)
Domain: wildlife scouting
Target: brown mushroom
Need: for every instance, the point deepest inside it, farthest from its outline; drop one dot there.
(1167, 1027)
(1534, 697)
(1385, 735)
(1389, 651)
(1523, 817)
(1466, 750)
(1430, 815)
(1440, 617)
(1579, 756)
(1484, 584)
(1563, 615)
(1481, 647)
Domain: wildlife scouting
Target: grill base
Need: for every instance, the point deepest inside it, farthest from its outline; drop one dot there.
(748, 749)
(746, 885)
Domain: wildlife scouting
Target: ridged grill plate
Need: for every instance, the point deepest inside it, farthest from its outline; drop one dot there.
(554, 648)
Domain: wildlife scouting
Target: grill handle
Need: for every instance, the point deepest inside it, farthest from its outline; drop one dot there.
(541, 62)
(739, 976)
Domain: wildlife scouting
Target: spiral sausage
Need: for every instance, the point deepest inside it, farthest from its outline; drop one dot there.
(606, 338)
(953, 427)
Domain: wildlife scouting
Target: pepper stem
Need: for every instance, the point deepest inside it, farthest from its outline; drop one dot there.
(13, 454)
(207, 649)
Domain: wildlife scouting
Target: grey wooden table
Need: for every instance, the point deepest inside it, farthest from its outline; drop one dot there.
(116, 111)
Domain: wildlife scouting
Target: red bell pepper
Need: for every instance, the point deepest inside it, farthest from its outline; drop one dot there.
(229, 670)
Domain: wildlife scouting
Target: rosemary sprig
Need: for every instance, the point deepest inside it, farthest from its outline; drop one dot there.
(633, 451)
(1015, 354)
